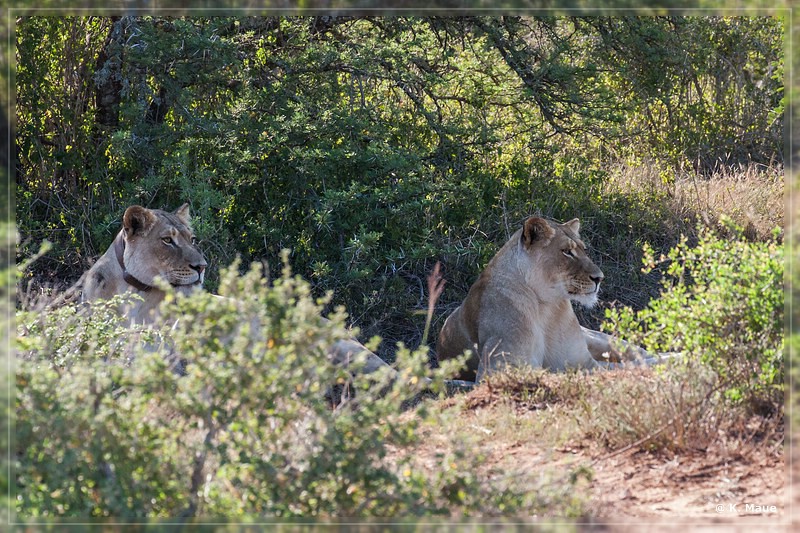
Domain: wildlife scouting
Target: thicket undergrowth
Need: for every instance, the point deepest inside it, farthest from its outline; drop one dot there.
(105, 426)
(374, 147)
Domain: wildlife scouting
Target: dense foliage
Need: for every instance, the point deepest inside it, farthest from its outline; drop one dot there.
(107, 428)
(722, 305)
(372, 147)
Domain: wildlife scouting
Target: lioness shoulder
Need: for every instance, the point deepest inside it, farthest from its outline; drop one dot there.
(518, 312)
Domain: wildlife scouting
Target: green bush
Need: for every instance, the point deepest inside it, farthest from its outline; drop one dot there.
(722, 304)
(106, 427)
(86, 443)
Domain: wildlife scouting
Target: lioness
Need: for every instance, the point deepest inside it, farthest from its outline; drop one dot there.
(151, 244)
(518, 312)
(157, 244)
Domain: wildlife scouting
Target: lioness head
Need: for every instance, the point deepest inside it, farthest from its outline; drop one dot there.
(159, 244)
(559, 265)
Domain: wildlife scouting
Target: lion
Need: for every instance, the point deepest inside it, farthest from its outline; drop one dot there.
(155, 244)
(519, 311)
(152, 244)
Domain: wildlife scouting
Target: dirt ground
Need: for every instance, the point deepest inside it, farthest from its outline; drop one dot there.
(636, 490)
(693, 485)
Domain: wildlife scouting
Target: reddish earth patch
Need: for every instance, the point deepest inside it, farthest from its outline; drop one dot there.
(734, 487)
(690, 485)
(644, 488)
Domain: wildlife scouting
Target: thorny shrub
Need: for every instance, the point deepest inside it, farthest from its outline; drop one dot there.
(106, 426)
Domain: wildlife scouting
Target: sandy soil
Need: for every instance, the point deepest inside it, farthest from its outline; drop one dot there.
(635, 490)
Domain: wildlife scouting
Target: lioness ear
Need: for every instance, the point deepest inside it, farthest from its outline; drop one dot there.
(574, 225)
(183, 214)
(137, 219)
(536, 229)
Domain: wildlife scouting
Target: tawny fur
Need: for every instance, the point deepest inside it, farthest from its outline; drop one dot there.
(518, 313)
(157, 245)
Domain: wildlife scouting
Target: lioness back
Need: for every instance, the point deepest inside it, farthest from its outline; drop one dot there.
(518, 312)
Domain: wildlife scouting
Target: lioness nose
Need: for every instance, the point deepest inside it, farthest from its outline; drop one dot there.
(200, 267)
(597, 279)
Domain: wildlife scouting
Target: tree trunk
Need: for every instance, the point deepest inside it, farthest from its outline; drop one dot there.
(108, 79)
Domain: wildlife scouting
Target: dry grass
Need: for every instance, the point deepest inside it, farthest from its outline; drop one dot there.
(648, 203)
(672, 409)
(752, 196)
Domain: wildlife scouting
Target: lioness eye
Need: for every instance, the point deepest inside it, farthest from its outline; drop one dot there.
(168, 240)
(194, 240)
(568, 253)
